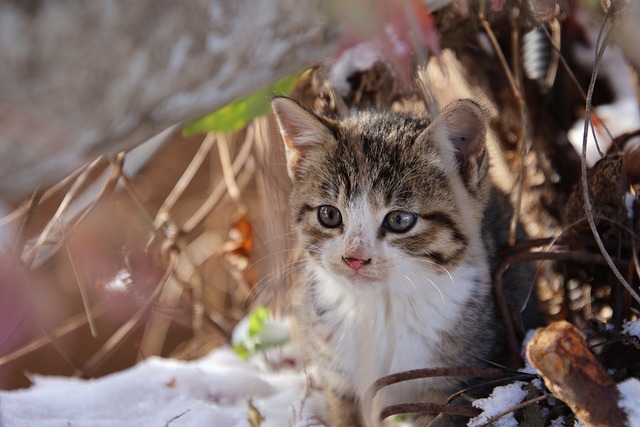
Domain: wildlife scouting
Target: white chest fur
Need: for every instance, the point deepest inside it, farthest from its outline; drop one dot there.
(391, 329)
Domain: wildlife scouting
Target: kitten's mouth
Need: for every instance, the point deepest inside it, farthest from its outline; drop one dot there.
(360, 277)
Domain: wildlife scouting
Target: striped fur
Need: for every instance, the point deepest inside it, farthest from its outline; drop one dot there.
(422, 297)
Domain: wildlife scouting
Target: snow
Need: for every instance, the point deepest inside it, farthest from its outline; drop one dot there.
(629, 392)
(631, 328)
(213, 391)
(502, 399)
(622, 114)
(220, 390)
(358, 58)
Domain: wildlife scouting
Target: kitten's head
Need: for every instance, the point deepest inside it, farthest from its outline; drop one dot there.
(377, 195)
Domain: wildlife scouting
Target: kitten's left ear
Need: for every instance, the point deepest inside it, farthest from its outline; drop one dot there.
(463, 126)
(303, 133)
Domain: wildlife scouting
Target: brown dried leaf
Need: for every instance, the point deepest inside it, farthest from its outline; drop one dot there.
(571, 372)
(607, 189)
(237, 250)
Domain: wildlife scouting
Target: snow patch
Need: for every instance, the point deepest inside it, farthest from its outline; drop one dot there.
(358, 58)
(629, 392)
(502, 399)
(213, 391)
(631, 328)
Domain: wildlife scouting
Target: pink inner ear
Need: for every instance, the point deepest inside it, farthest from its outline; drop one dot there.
(301, 131)
(466, 125)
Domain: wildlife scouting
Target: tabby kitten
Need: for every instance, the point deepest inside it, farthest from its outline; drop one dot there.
(401, 226)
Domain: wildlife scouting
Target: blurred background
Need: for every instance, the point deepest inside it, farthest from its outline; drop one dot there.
(163, 249)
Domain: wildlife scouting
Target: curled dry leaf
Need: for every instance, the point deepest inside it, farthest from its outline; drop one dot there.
(238, 249)
(607, 188)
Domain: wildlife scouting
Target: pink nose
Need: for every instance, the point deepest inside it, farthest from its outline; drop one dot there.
(356, 263)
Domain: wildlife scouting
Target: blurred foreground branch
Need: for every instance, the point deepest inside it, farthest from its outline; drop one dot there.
(80, 79)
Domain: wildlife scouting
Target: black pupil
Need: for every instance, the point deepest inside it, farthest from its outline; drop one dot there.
(330, 216)
(400, 221)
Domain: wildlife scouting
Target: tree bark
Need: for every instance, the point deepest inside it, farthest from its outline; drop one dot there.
(83, 78)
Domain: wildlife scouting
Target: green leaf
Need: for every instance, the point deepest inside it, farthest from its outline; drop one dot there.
(257, 319)
(241, 350)
(238, 114)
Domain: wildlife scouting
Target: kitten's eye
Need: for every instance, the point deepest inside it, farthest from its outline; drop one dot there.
(329, 216)
(400, 221)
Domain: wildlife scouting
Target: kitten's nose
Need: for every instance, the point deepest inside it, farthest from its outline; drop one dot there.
(356, 263)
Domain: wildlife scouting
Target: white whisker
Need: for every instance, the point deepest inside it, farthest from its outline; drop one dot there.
(435, 286)
(411, 281)
(443, 268)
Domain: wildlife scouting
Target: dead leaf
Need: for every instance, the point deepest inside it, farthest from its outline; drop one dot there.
(238, 249)
(571, 372)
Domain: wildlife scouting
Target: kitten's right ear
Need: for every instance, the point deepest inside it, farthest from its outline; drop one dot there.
(302, 132)
(463, 125)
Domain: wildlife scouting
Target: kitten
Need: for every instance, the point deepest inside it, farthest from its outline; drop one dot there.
(401, 227)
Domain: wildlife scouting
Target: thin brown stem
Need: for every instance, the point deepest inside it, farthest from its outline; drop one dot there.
(21, 238)
(128, 187)
(66, 201)
(429, 408)
(20, 211)
(456, 371)
(207, 206)
(83, 295)
(186, 178)
(69, 326)
(524, 404)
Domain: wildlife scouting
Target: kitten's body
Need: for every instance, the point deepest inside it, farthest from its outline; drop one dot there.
(399, 266)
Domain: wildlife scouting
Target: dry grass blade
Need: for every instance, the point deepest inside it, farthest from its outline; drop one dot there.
(83, 295)
(197, 290)
(186, 177)
(69, 326)
(21, 237)
(207, 206)
(554, 60)
(227, 169)
(20, 211)
(186, 267)
(75, 188)
(110, 185)
(156, 328)
(84, 207)
(128, 187)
